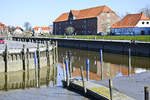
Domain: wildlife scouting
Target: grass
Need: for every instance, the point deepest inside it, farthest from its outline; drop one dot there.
(145, 38)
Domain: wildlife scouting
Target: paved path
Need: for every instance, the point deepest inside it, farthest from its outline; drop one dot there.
(16, 44)
(103, 91)
(132, 86)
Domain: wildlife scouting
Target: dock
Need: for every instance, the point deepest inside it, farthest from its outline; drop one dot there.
(97, 91)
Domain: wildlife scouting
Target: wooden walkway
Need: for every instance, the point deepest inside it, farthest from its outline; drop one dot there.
(99, 91)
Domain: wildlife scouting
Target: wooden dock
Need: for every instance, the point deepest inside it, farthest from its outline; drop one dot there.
(97, 91)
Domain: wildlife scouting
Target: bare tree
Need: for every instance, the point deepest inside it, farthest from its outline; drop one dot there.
(70, 30)
(27, 26)
(146, 10)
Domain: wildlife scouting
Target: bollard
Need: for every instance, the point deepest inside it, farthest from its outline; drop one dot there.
(70, 64)
(129, 68)
(146, 93)
(38, 56)
(87, 72)
(101, 58)
(82, 76)
(110, 89)
(67, 72)
(24, 57)
(6, 58)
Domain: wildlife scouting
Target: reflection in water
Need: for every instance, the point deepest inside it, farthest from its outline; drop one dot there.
(26, 79)
(114, 65)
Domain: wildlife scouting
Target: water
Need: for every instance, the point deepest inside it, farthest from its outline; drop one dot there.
(114, 65)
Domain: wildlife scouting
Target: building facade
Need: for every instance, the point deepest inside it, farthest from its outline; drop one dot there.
(3, 29)
(18, 30)
(42, 30)
(89, 21)
(132, 24)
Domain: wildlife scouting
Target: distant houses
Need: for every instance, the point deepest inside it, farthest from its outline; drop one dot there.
(18, 30)
(42, 30)
(132, 24)
(3, 29)
(91, 21)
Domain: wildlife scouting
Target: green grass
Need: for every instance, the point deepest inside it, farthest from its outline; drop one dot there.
(145, 38)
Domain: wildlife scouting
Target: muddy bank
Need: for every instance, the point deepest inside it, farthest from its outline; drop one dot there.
(132, 86)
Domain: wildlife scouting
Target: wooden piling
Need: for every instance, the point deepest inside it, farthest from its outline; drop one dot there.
(38, 56)
(28, 59)
(64, 71)
(48, 54)
(24, 57)
(146, 93)
(6, 58)
(67, 72)
(110, 88)
(129, 68)
(87, 69)
(70, 64)
(82, 76)
(101, 58)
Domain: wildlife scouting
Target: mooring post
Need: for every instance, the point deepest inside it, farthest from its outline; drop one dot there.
(101, 58)
(24, 57)
(38, 55)
(110, 89)
(48, 54)
(67, 72)
(64, 71)
(28, 59)
(87, 68)
(82, 76)
(146, 93)
(36, 72)
(129, 68)
(6, 58)
(70, 64)
(56, 45)
(54, 52)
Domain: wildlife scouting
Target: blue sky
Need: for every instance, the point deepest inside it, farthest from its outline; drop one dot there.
(44, 12)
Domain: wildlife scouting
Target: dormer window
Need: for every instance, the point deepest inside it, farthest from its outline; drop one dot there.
(143, 22)
(147, 22)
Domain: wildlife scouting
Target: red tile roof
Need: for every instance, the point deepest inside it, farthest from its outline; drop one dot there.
(130, 20)
(42, 28)
(85, 13)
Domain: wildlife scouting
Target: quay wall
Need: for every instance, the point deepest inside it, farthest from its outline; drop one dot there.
(110, 46)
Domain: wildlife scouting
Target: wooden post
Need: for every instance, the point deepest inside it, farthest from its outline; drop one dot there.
(101, 58)
(54, 53)
(146, 93)
(38, 56)
(6, 58)
(48, 54)
(70, 64)
(64, 71)
(24, 57)
(129, 68)
(36, 71)
(87, 68)
(28, 59)
(82, 76)
(110, 88)
(67, 72)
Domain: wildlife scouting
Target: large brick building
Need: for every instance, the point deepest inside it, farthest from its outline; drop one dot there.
(87, 21)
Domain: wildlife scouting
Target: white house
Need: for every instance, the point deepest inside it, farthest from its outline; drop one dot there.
(18, 30)
(132, 24)
(42, 30)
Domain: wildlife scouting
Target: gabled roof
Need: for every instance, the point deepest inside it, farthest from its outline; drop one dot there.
(130, 20)
(85, 13)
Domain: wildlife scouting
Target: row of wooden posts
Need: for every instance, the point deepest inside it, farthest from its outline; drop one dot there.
(68, 74)
(25, 55)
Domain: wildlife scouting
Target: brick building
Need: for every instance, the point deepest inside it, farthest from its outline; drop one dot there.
(86, 22)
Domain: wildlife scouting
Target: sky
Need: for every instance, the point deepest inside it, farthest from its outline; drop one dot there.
(44, 12)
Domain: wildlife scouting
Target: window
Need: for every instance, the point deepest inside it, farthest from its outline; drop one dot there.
(108, 20)
(108, 15)
(142, 22)
(147, 22)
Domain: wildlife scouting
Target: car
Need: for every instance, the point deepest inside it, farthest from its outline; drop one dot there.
(2, 41)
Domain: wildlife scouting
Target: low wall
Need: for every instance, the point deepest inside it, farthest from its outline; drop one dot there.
(110, 46)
